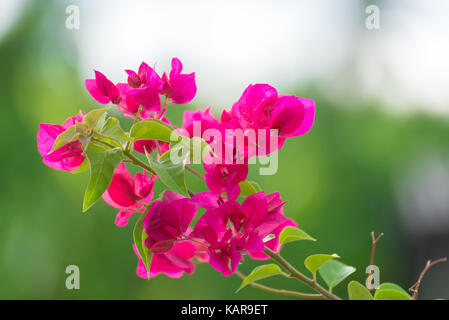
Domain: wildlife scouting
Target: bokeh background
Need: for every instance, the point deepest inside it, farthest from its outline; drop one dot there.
(376, 159)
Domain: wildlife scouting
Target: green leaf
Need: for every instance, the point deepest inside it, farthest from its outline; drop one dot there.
(392, 292)
(248, 188)
(113, 130)
(102, 164)
(139, 236)
(100, 123)
(70, 135)
(357, 291)
(290, 234)
(83, 167)
(389, 285)
(153, 129)
(91, 118)
(259, 273)
(171, 174)
(315, 261)
(333, 272)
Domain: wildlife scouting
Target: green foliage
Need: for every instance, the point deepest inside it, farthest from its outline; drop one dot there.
(70, 135)
(139, 236)
(102, 162)
(83, 167)
(315, 261)
(333, 272)
(261, 272)
(171, 174)
(111, 129)
(391, 291)
(153, 129)
(92, 118)
(357, 291)
(290, 234)
(248, 188)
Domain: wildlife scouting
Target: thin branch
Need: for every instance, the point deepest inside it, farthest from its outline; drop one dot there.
(136, 119)
(373, 251)
(199, 175)
(429, 264)
(280, 291)
(299, 276)
(138, 162)
(104, 143)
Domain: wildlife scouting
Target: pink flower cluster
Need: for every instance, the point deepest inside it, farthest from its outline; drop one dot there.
(229, 229)
(144, 89)
(222, 236)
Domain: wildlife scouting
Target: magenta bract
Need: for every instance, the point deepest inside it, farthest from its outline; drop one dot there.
(67, 158)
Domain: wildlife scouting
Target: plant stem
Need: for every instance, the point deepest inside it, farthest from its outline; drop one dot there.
(136, 119)
(138, 162)
(199, 175)
(299, 276)
(104, 143)
(373, 252)
(280, 291)
(429, 264)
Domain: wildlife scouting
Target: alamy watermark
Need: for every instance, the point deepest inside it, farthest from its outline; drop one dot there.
(72, 282)
(373, 279)
(372, 21)
(72, 21)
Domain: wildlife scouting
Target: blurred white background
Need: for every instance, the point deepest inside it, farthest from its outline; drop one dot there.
(232, 43)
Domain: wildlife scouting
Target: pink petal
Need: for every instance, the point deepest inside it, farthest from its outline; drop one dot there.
(183, 88)
(91, 86)
(122, 218)
(121, 189)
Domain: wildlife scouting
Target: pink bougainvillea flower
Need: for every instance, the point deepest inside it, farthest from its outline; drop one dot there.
(261, 108)
(230, 229)
(142, 89)
(173, 263)
(136, 80)
(207, 200)
(102, 89)
(147, 95)
(225, 178)
(262, 216)
(128, 194)
(181, 88)
(253, 98)
(223, 253)
(167, 221)
(197, 122)
(67, 158)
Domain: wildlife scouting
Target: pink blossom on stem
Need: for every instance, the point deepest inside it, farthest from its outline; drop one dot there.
(167, 221)
(173, 263)
(147, 95)
(261, 108)
(67, 158)
(128, 194)
(225, 178)
(102, 89)
(181, 88)
(204, 120)
(251, 222)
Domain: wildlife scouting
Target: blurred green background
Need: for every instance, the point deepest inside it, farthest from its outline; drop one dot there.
(341, 181)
